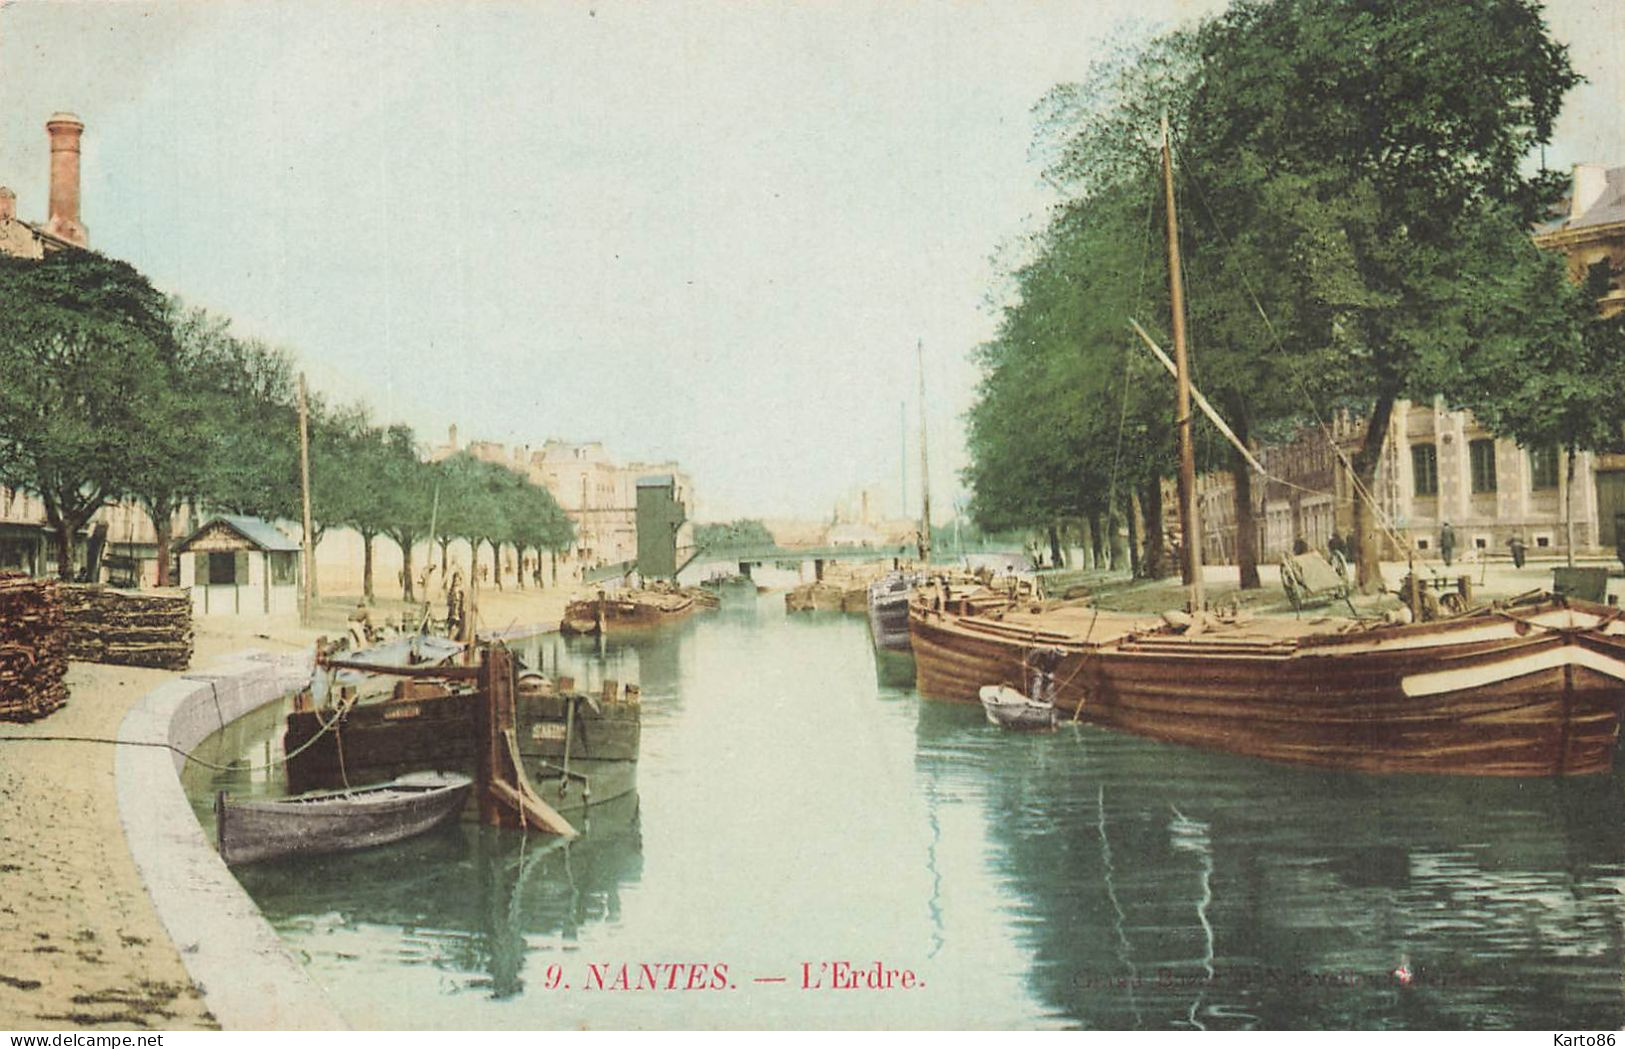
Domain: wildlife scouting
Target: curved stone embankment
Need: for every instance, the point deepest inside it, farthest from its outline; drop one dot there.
(246, 976)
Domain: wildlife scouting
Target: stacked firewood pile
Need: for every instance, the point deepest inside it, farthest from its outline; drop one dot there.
(147, 629)
(33, 648)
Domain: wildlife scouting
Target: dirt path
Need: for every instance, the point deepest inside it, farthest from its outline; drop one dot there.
(80, 942)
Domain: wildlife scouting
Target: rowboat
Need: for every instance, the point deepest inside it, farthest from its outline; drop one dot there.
(337, 821)
(1007, 708)
(1534, 688)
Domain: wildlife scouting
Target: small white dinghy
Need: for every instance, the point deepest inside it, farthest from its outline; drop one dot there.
(1007, 708)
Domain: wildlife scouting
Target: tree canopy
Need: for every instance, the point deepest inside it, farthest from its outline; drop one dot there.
(1355, 219)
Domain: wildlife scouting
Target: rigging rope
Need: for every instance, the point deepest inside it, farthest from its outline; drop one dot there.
(1379, 517)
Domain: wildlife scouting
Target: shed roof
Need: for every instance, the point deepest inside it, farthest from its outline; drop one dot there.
(259, 533)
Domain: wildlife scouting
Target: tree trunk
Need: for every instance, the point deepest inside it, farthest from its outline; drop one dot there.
(366, 567)
(496, 563)
(1568, 510)
(407, 593)
(65, 523)
(553, 556)
(1054, 547)
(1368, 563)
(445, 545)
(64, 551)
(1132, 515)
(1246, 527)
(162, 529)
(1155, 557)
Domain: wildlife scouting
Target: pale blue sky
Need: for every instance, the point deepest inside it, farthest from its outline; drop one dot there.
(706, 231)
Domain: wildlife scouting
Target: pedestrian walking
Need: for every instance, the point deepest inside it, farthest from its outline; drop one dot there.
(1515, 544)
(1447, 543)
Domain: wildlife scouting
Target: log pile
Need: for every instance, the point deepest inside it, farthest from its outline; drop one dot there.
(135, 629)
(33, 648)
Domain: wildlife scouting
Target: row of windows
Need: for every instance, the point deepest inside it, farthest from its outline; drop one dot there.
(1481, 460)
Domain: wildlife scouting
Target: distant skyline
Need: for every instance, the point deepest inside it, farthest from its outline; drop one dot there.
(708, 232)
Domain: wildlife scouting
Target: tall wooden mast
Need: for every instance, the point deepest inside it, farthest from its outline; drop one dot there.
(1190, 528)
(925, 467)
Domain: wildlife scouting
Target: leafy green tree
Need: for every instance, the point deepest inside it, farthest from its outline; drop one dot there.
(84, 350)
(1376, 148)
(252, 429)
(408, 494)
(1564, 389)
(535, 523)
(742, 534)
(171, 467)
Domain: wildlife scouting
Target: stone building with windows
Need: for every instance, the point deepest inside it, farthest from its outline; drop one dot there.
(1440, 465)
(1591, 231)
(598, 494)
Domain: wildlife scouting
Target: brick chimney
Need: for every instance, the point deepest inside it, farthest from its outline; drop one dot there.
(8, 204)
(65, 129)
(1590, 182)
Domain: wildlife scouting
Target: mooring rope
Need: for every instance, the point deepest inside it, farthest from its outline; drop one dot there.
(326, 727)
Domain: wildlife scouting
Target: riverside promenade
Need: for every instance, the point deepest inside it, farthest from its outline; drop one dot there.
(81, 943)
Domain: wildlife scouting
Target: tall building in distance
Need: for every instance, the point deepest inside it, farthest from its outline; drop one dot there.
(597, 493)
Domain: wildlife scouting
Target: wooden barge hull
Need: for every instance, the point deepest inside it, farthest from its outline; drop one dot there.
(888, 621)
(383, 740)
(1498, 696)
(624, 616)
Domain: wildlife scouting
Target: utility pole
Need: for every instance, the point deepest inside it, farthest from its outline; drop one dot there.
(308, 576)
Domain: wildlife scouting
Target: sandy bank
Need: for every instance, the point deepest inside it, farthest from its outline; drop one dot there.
(81, 944)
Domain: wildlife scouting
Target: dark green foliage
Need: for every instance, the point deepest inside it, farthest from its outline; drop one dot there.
(747, 533)
(1350, 169)
(84, 353)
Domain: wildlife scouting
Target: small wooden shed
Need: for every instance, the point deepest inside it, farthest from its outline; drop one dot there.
(240, 566)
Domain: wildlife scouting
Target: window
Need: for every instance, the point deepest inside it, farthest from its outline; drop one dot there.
(284, 567)
(1543, 467)
(1482, 454)
(1425, 468)
(223, 568)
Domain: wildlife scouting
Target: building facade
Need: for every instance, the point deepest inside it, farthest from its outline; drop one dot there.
(597, 493)
(1441, 466)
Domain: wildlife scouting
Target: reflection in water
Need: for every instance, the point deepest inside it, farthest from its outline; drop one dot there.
(799, 803)
(1165, 887)
(465, 898)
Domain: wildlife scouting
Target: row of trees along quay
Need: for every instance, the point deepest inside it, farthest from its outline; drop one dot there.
(109, 390)
(1357, 192)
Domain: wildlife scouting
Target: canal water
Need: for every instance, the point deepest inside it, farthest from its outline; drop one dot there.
(804, 817)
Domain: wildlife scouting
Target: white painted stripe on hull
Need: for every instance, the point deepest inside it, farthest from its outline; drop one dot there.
(1436, 682)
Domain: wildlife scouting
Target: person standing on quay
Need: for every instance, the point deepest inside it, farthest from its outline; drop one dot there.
(1517, 547)
(1447, 543)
